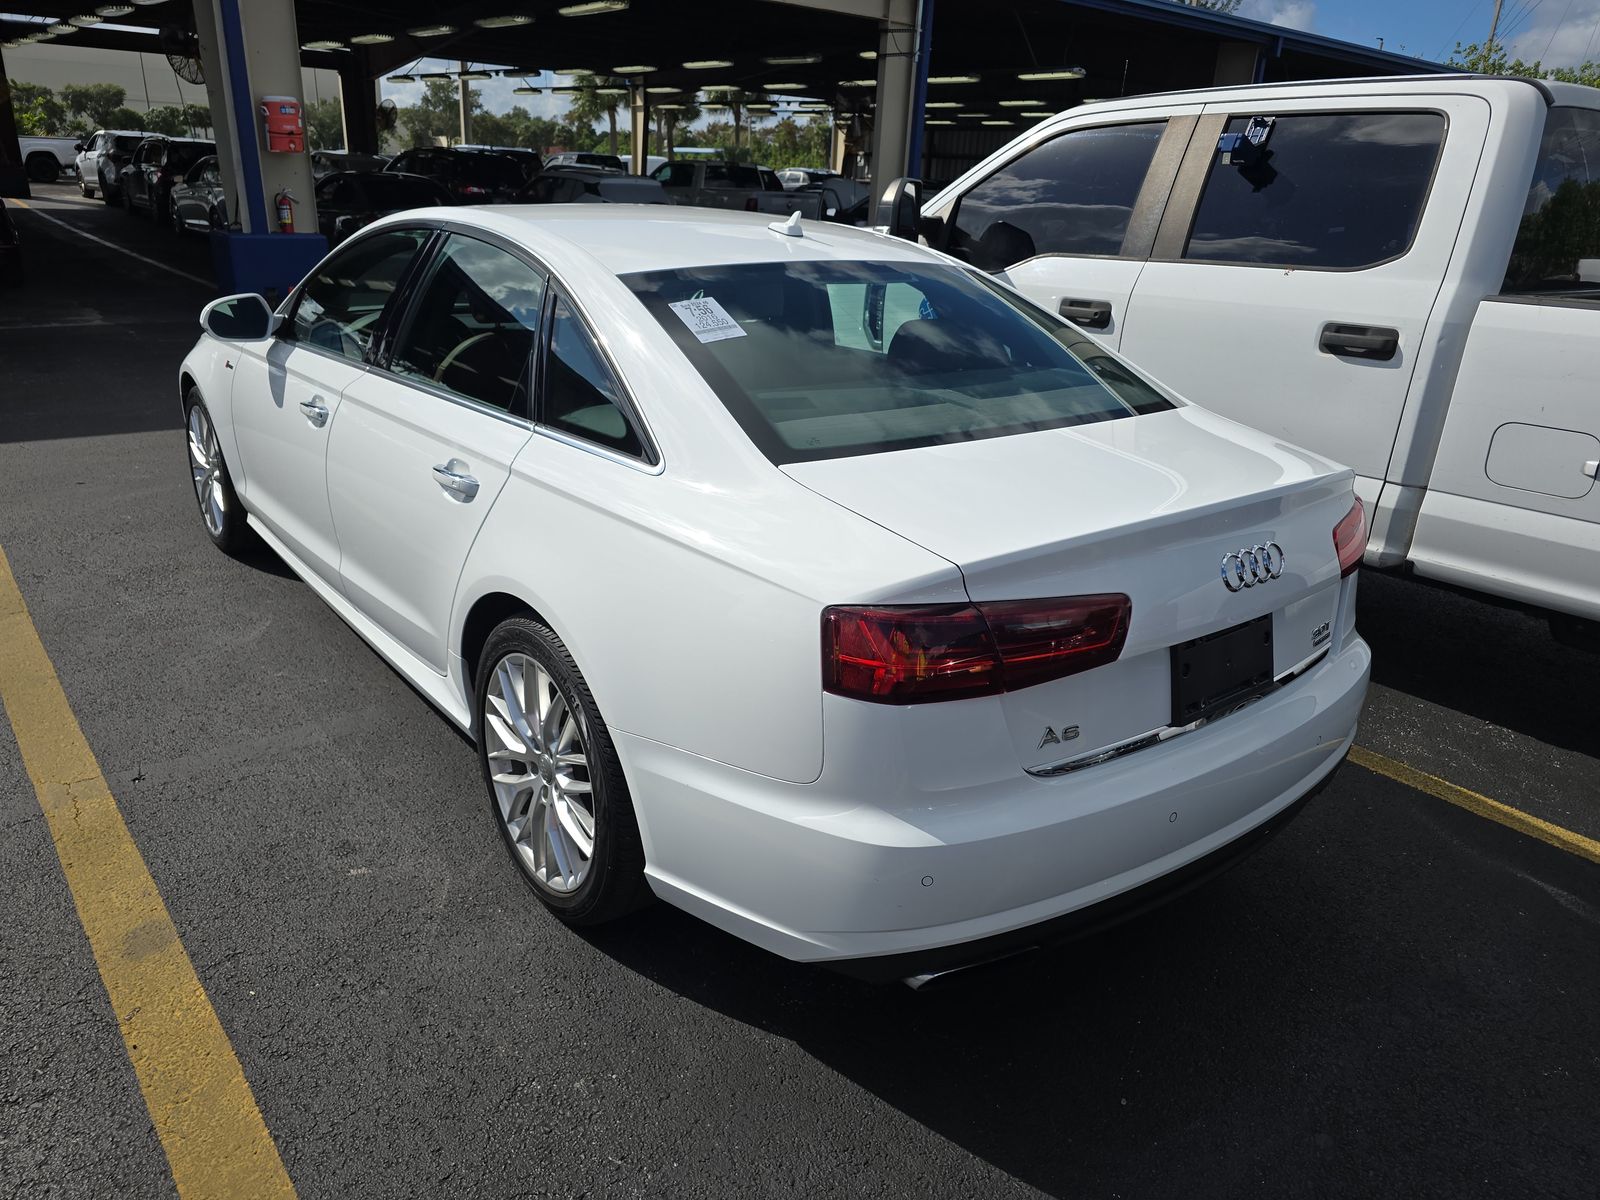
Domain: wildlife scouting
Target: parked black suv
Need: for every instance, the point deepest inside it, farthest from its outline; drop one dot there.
(157, 165)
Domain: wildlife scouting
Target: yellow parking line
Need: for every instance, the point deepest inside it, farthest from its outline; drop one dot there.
(194, 1088)
(1503, 814)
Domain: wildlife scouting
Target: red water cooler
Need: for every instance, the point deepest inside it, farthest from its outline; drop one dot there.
(286, 129)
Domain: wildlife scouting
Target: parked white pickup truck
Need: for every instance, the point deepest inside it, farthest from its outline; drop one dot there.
(46, 158)
(1402, 274)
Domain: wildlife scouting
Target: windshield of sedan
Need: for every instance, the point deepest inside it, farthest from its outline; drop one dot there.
(829, 359)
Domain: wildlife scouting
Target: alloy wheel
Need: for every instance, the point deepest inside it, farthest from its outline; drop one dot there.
(537, 744)
(205, 464)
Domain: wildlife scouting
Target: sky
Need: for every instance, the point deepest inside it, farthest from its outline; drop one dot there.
(1554, 31)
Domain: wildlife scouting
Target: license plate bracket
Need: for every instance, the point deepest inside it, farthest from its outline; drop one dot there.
(1222, 670)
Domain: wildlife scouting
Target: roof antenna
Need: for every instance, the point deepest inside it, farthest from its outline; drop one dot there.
(789, 228)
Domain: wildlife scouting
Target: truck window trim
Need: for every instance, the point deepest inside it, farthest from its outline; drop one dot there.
(1184, 208)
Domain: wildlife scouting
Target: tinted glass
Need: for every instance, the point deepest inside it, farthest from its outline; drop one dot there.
(1334, 190)
(823, 360)
(676, 175)
(488, 170)
(129, 142)
(580, 395)
(1558, 242)
(342, 303)
(182, 155)
(474, 326)
(391, 193)
(1072, 195)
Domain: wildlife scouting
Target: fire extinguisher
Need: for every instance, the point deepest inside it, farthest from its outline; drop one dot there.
(285, 202)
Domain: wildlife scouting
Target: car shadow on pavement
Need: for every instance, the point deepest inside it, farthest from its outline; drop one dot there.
(1322, 1018)
(1497, 664)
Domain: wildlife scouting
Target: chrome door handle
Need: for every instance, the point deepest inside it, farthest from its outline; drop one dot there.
(315, 412)
(463, 487)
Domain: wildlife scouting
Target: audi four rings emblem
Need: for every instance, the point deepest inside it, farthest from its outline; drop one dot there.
(1252, 565)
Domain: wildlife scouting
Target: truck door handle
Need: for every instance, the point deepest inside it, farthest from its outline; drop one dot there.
(1359, 341)
(1091, 314)
(316, 412)
(462, 486)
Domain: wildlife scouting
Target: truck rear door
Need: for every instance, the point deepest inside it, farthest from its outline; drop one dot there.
(1513, 504)
(1298, 261)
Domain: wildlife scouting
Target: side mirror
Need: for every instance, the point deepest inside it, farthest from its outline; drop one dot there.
(243, 318)
(900, 208)
(78, 146)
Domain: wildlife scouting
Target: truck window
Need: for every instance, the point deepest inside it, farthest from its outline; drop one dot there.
(1558, 242)
(1339, 191)
(1071, 195)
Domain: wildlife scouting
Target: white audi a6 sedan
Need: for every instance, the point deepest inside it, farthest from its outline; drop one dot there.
(795, 575)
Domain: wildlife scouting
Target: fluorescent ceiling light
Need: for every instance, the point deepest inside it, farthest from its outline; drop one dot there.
(525, 90)
(508, 21)
(759, 107)
(593, 7)
(114, 10)
(952, 79)
(999, 122)
(869, 54)
(1020, 103)
(475, 75)
(707, 64)
(371, 39)
(436, 75)
(431, 30)
(402, 78)
(611, 91)
(669, 108)
(323, 44)
(791, 60)
(86, 20)
(633, 69)
(938, 122)
(972, 114)
(566, 90)
(853, 83)
(662, 91)
(1038, 116)
(572, 71)
(1063, 73)
(785, 86)
(942, 104)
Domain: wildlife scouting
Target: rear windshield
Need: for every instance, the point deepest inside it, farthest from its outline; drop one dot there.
(128, 142)
(397, 191)
(827, 360)
(183, 155)
(488, 170)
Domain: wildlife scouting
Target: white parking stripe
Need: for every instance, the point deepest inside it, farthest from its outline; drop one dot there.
(44, 216)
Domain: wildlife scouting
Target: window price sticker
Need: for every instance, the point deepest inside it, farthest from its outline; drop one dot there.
(707, 319)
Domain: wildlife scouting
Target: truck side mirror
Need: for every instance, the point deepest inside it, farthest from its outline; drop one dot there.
(243, 318)
(900, 208)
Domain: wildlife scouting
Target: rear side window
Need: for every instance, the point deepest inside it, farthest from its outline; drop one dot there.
(1072, 195)
(1339, 191)
(1558, 242)
(580, 395)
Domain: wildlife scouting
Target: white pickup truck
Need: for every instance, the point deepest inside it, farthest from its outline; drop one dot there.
(1402, 274)
(47, 158)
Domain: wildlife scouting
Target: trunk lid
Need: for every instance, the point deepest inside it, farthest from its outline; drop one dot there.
(1149, 506)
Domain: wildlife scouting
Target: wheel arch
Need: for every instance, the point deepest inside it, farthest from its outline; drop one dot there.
(486, 612)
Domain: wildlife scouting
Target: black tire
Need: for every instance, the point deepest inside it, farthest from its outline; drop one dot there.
(234, 533)
(43, 168)
(614, 884)
(167, 215)
(86, 189)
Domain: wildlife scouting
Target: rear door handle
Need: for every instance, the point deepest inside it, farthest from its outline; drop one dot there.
(1359, 341)
(462, 486)
(1090, 314)
(316, 412)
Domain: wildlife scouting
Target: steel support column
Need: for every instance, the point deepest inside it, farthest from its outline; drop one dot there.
(897, 76)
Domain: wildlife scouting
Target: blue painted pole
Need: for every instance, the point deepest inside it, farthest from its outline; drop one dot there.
(919, 98)
(244, 115)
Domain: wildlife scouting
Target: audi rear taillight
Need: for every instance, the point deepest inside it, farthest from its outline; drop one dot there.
(917, 653)
(1350, 538)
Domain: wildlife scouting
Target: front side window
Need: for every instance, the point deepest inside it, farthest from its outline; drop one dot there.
(1558, 242)
(1339, 191)
(1072, 195)
(474, 325)
(342, 303)
(828, 359)
(580, 396)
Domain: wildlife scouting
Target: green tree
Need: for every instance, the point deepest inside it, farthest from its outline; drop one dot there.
(589, 106)
(325, 124)
(38, 110)
(125, 118)
(1492, 59)
(168, 119)
(94, 103)
(437, 114)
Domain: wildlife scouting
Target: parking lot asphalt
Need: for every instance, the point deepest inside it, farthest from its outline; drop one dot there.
(1394, 997)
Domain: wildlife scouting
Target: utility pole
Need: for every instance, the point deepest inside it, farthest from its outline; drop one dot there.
(1494, 23)
(464, 92)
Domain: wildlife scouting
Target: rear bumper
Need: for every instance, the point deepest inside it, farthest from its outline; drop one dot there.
(904, 855)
